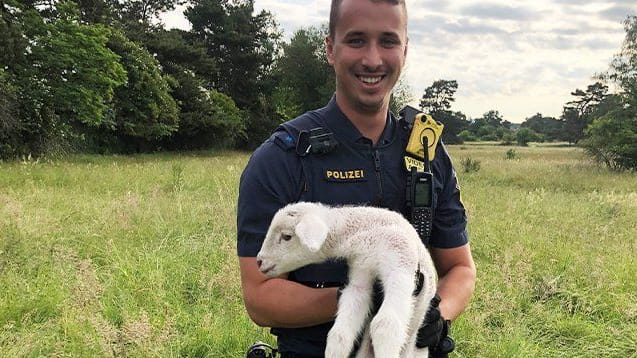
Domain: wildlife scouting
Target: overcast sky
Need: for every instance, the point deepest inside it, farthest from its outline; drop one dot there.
(517, 57)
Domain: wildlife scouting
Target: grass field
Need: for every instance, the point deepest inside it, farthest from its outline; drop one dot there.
(135, 256)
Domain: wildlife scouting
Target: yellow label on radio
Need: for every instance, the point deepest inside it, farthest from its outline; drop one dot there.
(413, 162)
(424, 127)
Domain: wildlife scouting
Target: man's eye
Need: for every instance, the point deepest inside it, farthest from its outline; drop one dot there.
(355, 42)
(389, 43)
(286, 237)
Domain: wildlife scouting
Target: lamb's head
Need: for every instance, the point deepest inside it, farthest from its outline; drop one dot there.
(294, 239)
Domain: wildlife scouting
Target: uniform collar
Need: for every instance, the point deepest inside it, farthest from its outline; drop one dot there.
(345, 130)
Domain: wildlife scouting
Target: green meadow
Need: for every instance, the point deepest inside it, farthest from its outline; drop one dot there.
(135, 256)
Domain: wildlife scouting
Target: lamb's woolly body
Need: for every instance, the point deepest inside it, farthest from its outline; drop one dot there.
(359, 234)
(377, 243)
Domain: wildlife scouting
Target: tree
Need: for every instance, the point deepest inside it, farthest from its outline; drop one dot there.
(97, 11)
(304, 77)
(493, 118)
(144, 11)
(67, 79)
(401, 96)
(489, 127)
(455, 123)
(526, 135)
(438, 96)
(611, 138)
(73, 61)
(467, 136)
(436, 100)
(578, 114)
(12, 41)
(144, 109)
(207, 118)
(244, 48)
(551, 128)
(10, 129)
(623, 68)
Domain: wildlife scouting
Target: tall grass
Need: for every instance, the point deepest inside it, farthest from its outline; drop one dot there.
(135, 256)
(554, 242)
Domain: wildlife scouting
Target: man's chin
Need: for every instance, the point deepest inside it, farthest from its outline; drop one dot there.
(372, 105)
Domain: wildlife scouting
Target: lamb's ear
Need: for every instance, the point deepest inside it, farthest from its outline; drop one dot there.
(312, 231)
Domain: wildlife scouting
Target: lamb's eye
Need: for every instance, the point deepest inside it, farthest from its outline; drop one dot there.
(286, 237)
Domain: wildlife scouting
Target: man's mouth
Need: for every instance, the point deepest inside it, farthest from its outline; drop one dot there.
(370, 79)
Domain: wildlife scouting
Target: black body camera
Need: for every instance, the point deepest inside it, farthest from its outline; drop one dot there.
(317, 140)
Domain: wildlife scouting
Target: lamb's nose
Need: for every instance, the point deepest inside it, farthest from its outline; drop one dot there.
(259, 262)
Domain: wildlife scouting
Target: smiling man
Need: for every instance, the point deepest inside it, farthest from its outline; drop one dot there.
(349, 152)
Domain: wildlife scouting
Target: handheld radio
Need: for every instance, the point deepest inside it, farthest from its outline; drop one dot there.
(420, 151)
(420, 198)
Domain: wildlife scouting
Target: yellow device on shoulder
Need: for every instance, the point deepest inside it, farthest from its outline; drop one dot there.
(424, 126)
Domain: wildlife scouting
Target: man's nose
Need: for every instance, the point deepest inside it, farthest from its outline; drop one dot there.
(372, 57)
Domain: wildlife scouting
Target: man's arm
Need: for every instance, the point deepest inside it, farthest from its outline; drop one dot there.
(281, 303)
(456, 279)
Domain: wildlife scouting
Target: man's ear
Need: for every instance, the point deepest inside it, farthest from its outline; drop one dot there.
(406, 45)
(312, 231)
(329, 49)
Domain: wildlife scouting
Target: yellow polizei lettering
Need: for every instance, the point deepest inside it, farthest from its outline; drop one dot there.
(345, 174)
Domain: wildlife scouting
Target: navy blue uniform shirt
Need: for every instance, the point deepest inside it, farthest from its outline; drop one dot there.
(355, 173)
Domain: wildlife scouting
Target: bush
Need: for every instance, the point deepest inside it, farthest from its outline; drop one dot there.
(491, 137)
(467, 136)
(470, 165)
(508, 139)
(612, 140)
(526, 135)
(9, 124)
(511, 154)
(214, 121)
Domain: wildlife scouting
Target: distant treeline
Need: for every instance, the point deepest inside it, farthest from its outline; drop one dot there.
(106, 76)
(491, 126)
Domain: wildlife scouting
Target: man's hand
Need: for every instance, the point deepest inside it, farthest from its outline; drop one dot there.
(433, 332)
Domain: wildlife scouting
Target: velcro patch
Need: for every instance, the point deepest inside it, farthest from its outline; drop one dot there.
(284, 140)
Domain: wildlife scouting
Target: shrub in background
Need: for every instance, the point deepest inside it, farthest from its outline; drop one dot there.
(470, 165)
(511, 154)
(612, 140)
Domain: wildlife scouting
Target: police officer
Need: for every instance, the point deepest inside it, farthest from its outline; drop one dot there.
(360, 163)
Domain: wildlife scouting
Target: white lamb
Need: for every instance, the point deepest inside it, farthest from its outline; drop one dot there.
(377, 243)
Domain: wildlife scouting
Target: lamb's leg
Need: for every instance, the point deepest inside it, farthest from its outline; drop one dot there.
(366, 349)
(353, 309)
(389, 327)
(421, 304)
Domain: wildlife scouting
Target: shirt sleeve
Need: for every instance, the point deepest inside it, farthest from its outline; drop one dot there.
(272, 179)
(450, 220)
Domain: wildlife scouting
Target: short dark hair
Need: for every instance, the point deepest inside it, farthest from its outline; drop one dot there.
(336, 4)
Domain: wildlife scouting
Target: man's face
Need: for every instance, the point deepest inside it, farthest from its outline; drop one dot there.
(367, 52)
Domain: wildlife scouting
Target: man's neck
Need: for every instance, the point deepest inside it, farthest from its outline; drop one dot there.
(369, 124)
